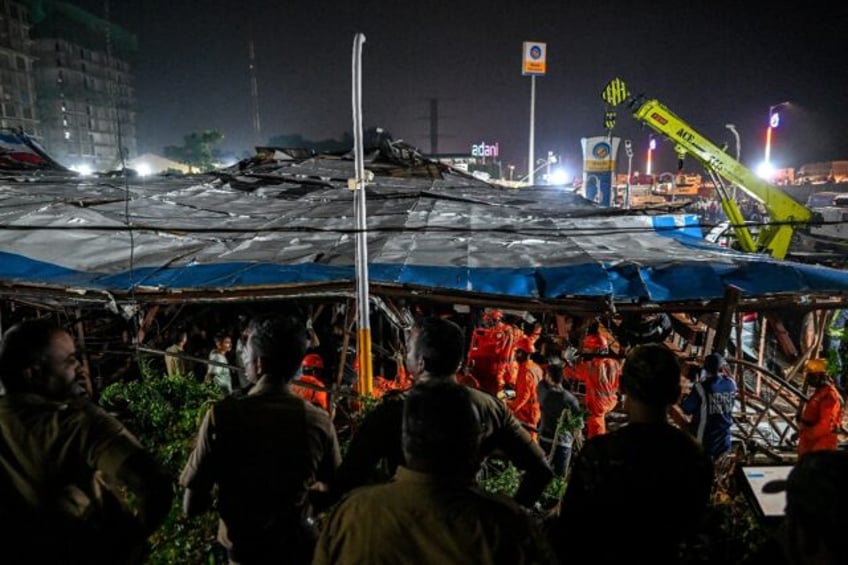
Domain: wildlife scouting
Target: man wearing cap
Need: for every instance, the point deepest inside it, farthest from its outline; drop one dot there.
(710, 407)
(821, 416)
(525, 404)
(813, 529)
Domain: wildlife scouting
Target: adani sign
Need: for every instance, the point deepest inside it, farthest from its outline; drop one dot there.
(484, 150)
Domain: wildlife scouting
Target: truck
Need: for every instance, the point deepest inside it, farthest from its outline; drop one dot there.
(785, 214)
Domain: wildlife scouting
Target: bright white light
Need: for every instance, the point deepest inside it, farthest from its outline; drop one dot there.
(558, 176)
(82, 168)
(765, 171)
(143, 169)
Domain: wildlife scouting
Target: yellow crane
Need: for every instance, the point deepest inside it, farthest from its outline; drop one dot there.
(785, 214)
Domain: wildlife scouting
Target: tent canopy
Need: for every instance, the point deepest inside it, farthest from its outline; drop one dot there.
(282, 224)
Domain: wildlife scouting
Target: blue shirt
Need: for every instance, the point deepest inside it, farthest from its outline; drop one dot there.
(711, 406)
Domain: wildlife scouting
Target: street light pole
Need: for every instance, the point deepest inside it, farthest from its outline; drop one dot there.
(735, 133)
(732, 128)
(652, 144)
(773, 122)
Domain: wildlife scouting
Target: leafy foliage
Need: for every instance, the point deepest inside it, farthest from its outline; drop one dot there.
(501, 477)
(164, 413)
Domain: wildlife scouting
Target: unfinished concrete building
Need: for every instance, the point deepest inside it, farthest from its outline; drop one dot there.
(83, 76)
(17, 88)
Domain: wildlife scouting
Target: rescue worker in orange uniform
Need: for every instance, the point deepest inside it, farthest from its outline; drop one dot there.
(491, 355)
(525, 404)
(821, 416)
(311, 369)
(600, 376)
(491, 352)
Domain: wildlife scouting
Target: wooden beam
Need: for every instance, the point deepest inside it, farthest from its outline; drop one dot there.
(732, 295)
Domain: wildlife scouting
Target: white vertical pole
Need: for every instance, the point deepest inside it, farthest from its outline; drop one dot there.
(363, 343)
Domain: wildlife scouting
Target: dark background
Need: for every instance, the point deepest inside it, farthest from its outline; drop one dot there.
(712, 63)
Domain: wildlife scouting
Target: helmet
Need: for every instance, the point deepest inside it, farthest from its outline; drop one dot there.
(816, 366)
(313, 360)
(526, 344)
(493, 314)
(594, 343)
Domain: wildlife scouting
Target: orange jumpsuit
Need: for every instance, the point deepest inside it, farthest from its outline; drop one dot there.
(525, 405)
(317, 397)
(490, 357)
(820, 419)
(600, 376)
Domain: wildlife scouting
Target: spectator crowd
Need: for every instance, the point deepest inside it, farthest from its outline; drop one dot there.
(76, 486)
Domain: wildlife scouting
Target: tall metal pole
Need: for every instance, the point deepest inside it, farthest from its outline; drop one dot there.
(628, 147)
(735, 133)
(363, 344)
(531, 160)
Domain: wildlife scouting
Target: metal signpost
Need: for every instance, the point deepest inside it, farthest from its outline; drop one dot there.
(534, 62)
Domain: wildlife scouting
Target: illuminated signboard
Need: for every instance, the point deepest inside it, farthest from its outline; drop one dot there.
(534, 60)
(484, 150)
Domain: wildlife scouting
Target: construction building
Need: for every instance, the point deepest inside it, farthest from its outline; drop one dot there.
(17, 87)
(84, 83)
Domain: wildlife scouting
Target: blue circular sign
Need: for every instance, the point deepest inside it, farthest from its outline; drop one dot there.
(601, 150)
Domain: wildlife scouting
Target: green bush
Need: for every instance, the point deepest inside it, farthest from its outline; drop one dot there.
(164, 413)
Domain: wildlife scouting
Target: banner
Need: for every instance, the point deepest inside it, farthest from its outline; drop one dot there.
(599, 154)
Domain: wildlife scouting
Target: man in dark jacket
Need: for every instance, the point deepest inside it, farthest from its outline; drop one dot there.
(436, 348)
(62, 458)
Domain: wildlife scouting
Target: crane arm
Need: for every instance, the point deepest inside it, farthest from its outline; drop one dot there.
(784, 212)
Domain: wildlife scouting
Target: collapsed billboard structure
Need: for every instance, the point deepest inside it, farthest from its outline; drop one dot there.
(282, 224)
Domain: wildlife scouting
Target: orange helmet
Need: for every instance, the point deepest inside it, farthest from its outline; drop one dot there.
(816, 366)
(526, 344)
(493, 314)
(313, 360)
(594, 343)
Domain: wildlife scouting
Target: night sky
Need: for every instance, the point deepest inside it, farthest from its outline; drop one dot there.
(712, 63)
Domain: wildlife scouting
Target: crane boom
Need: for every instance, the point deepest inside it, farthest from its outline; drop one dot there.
(785, 214)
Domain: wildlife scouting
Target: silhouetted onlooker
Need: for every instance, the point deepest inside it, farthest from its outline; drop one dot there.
(435, 351)
(431, 512)
(640, 491)
(262, 451)
(813, 528)
(62, 458)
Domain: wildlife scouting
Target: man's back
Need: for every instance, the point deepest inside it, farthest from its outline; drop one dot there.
(379, 437)
(711, 405)
(654, 479)
(422, 519)
(263, 451)
(555, 401)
